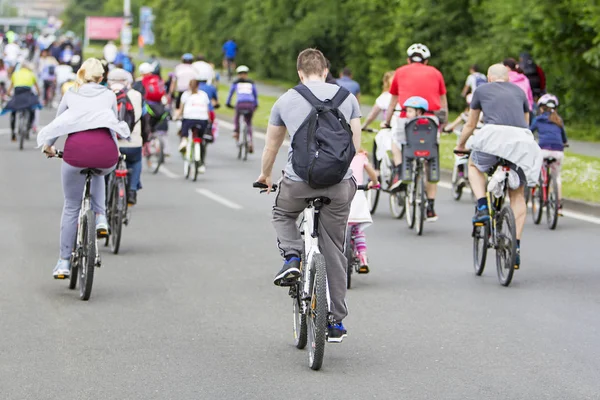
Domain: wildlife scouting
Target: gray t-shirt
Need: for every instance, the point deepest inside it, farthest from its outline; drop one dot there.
(291, 109)
(502, 103)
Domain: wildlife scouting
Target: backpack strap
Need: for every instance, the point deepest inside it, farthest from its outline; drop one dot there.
(341, 96)
(337, 100)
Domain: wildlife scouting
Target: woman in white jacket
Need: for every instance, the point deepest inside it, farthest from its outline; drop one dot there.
(88, 115)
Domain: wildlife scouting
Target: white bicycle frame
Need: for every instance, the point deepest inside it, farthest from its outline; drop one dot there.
(383, 139)
(192, 152)
(311, 248)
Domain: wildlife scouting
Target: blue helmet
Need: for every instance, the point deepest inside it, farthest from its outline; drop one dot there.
(416, 102)
(187, 57)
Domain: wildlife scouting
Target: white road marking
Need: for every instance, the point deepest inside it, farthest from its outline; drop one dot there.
(219, 199)
(165, 171)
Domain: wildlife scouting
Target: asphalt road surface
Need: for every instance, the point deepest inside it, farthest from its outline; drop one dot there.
(188, 309)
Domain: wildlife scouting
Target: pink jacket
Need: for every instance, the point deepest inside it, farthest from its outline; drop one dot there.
(523, 82)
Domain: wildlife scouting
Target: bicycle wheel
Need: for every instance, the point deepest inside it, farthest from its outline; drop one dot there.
(21, 128)
(245, 143)
(88, 255)
(553, 204)
(398, 204)
(506, 245)
(300, 336)
(481, 238)
(537, 202)
(410, 205)
(421, 203)
(75, 257)
(373, 199)
(349, 258)
(157, 155)
(317, 314)
(118, 209)
(457, 185)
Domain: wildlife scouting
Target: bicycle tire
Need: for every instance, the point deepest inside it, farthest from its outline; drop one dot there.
(349, 258)
(506, 245)
(74, 267)
(410, 205)
(481, 237)
(421, 203)
(245, 143)
(119, 207)
(537, 202)
(318, 314)
(553, 205)
(373, 199)
(157, 155)
(398, 204)
(457, 188)
(21, 128)
(88, 259)
(196, 166)
(300, 335)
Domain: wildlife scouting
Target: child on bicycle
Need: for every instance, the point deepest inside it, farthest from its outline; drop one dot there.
(360, 215)
(247, 101)
(552, 136)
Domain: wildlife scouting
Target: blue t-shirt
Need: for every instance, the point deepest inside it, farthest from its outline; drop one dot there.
(349, 84)
(230, 49)
(211, 91)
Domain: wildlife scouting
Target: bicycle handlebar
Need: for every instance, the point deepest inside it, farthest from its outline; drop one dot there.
(371, 130)
(462, 153)
(263, 187)
(366, 187)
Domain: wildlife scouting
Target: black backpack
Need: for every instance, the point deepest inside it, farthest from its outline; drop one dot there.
(322, 145)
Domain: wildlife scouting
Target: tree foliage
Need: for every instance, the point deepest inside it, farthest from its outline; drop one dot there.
(371, 37)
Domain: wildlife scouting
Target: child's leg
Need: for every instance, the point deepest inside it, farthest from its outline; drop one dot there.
(360, 240)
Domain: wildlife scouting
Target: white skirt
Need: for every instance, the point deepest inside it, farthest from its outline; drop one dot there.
(360, 210)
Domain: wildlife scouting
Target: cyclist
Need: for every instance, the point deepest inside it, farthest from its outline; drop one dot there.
(22, 82)
(71, 80)
(350, 84)
(504, 135)
(516, 76)
(247, 100)
(417, 78)
(552, 136)
(47, 74)
(194, 112)
(88, 115)
(474, 79)
(119, 82)
(183, 74)
(3, 81)
(230, 50)
(288, 113)
(382, 102)
(204, 69)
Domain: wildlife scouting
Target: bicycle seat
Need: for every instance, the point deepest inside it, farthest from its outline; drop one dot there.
(319, 202)
(550, 160)
(91, 171)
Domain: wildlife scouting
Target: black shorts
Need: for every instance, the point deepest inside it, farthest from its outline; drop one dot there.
(188, 124)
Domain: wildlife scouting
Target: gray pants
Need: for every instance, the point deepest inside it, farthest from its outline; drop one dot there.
(73, 182)
(290, 202)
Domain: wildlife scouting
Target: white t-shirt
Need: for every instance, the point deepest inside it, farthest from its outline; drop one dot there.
(195, 106)
(110, 52)
(383, 102)
(184, 73)
(63, 73)
(11, 52)
(472, 80)
(204, 71)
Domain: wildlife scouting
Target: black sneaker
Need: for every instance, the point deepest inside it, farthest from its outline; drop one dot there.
(13, 137)
(431, 215)
(482, 215)
(289, 273)
(336, 332)
(132, 197)
(518, 259)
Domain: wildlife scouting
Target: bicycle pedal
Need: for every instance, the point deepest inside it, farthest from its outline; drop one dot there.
(479, 224)
(61, 277)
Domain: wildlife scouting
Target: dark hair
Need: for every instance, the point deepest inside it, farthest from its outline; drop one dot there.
(512, 64)
(200, 57)
(346, 71)
(311, 62)
(475, 67)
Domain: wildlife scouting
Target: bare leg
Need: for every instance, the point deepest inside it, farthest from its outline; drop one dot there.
(477, 180)
(431, 189)
(517, 203)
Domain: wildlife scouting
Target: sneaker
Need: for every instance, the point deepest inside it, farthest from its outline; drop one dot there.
(183, 145)
(202, 169)
(336, 332)
(13, 137)
(431, 215)
(560, 209)
(289, 273)
(364, 264)
(236, 136)
(62, 270)
(132, 197)
(101, 226)
(250, 148)
(518, 259)
(481, 215)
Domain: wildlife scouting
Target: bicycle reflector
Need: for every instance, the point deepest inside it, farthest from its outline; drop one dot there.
(423, 121)
(421, 153)
(121, 173)
(197, 140)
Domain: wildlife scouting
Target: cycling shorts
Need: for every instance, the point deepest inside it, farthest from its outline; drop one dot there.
(485, 162)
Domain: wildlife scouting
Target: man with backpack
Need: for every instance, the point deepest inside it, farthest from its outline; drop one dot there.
(474, 80)
(150, 85)
(130, 109)
(535, 74)
(323, 121)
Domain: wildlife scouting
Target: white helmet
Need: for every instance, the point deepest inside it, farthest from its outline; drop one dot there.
(548, 100)
(145, 68)
(241, 69)
(418, 52)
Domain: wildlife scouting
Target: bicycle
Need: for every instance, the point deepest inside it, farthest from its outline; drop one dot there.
(195, 151)
(545, 195)
(85, 257)
(243, 143)
(116, 204)
(382, 146)
(22, 126)
(310, 295)
(49, 93)
(421, 147)
(351, 252)
(154, 151)
(498, 233)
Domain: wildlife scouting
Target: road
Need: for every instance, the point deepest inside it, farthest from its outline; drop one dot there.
(189, 311)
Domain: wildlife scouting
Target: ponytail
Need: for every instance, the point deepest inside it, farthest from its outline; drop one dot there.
(553, 116)
(90, 71)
